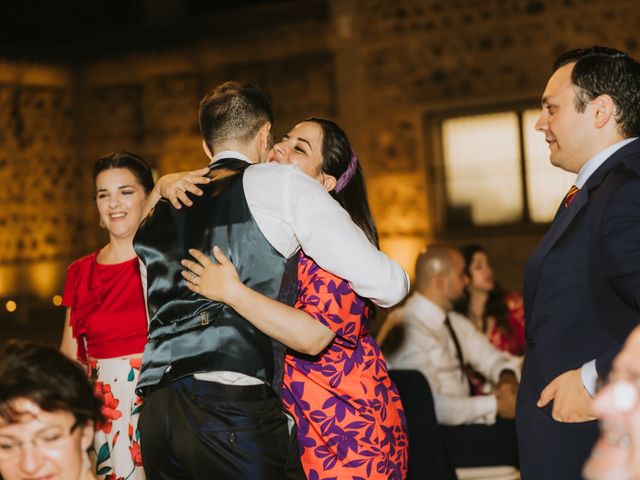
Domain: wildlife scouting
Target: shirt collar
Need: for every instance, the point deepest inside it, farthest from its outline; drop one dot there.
(230, 154)
(428, 310)
(598, 159)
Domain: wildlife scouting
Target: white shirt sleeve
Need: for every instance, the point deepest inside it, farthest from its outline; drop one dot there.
(293, 210)
(480, 353)
(464, 411)
(431, 352)
(589, 376)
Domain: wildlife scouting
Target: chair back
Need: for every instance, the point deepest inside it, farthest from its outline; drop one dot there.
(427, 457)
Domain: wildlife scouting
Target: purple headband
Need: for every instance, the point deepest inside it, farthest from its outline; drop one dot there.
(346, 177)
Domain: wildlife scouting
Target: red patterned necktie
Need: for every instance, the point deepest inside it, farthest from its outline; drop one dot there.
(571, 194)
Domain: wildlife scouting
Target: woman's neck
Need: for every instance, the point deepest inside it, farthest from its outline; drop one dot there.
(117, 250)
(477, 302)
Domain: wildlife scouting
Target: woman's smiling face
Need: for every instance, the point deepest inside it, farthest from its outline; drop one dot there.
(302, 147)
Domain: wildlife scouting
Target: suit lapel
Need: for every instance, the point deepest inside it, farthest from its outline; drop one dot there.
(560, 223)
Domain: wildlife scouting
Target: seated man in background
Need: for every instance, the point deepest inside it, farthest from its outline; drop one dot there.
(426, 335)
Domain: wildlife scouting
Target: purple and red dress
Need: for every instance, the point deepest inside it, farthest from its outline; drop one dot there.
(350, 420)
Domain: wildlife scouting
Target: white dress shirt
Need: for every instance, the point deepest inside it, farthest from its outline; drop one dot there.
(294, 211)
(429, 348)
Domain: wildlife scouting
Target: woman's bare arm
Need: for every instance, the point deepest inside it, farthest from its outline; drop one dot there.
(174, 187)
(68, 344)
(290, 326)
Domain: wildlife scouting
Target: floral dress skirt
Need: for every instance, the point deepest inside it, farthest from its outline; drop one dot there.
(117, 439)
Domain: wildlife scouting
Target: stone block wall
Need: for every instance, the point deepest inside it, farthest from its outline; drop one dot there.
(39, 171)
(380, 67)
(417, 58)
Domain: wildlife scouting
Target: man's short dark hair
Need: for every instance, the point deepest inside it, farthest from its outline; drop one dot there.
(603, 70)
(45, 377)
(234, 111)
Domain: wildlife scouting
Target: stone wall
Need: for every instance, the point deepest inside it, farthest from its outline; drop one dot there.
(380, 67)
(41, 219)
(417, 58)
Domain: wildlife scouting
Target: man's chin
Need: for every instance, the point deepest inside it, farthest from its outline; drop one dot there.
(557, 161)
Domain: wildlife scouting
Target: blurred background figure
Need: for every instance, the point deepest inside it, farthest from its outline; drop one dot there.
(428, 336)
(616, 455)
(495, 312)
(47, 415)
(106, 323)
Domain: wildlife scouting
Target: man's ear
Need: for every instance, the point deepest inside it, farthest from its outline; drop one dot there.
(264, 136)
(328, 182)
(605, 110)
(206, 150)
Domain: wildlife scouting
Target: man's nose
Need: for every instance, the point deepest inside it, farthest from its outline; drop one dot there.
(541, 124)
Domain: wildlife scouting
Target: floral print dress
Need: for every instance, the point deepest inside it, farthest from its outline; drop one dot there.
(350, 421)
(117, 438)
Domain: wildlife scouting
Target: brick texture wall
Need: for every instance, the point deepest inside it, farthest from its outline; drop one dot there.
(377, 66)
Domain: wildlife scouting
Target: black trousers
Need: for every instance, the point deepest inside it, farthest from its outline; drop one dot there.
(192, 429)
(481, 445)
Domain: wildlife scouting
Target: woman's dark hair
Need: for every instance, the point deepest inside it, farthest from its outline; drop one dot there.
(136, 165)
(47, 378)
(495, 306)
(337, 156)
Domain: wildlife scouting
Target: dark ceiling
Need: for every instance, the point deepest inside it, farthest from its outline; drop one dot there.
(73, 30)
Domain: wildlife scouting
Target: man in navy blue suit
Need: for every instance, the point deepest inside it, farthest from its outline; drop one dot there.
(582, 282)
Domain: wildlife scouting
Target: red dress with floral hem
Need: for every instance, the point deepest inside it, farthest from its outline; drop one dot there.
(109, 322)
(351, 425)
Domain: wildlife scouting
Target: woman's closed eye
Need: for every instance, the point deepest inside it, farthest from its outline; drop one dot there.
(6, 444)
(50, 437)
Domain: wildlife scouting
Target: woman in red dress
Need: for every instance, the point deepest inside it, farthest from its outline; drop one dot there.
(106, 324)
(336, 385)
(495, 312)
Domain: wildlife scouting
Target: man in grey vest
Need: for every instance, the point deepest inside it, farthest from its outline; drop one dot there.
(211, 380)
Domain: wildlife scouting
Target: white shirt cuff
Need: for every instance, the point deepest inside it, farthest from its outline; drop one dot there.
(485, 407)
(589, 376)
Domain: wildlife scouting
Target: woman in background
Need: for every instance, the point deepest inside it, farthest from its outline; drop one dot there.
(106, 322)
(336, 384)
(47, 415)
(495, 312)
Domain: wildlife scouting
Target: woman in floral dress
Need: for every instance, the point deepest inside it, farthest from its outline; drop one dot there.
(336, 385)
(106, 324)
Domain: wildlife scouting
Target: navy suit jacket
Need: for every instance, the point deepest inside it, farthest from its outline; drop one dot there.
(582, 298)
